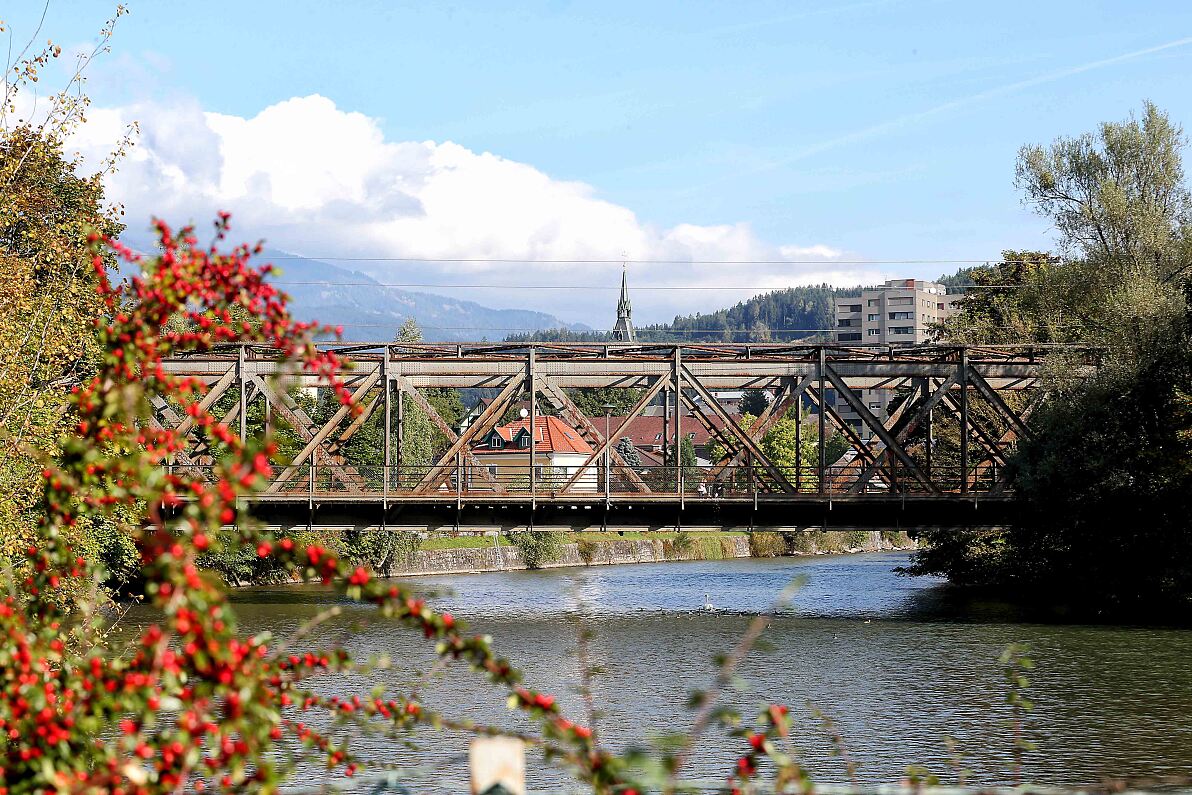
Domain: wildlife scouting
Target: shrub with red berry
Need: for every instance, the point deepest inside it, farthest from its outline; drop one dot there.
(195, 704)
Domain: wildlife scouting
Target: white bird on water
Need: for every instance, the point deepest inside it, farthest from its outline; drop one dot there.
(708, 604)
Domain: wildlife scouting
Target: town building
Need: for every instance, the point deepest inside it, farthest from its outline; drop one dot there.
(899, 312)
(559, 452)
(650, 434)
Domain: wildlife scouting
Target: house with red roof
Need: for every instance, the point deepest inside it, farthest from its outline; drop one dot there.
(646, 433)
(559, 453)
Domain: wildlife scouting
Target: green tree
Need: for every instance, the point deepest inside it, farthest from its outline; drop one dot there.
(1015, 301)
(628, 452)
(754, 401)
(592, 400)
(1106, 481)
(48, 300)
(688, 462)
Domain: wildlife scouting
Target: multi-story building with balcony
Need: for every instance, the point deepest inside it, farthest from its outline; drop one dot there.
(899, 312)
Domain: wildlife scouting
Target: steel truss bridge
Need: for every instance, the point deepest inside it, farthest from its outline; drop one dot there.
(901, 470)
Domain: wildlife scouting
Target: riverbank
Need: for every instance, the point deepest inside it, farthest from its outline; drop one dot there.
(465, 554)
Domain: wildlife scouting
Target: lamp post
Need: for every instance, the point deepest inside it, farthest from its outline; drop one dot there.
(608, 448)
(530, 455)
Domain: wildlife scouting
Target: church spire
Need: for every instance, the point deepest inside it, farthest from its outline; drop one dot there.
(623, 330)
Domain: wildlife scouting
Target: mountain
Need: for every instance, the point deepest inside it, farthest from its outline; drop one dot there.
(371, 312)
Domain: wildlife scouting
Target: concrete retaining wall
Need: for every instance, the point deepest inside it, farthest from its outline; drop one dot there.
(602, 553)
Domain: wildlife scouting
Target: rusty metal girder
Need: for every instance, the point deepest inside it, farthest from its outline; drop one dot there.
(947, 374)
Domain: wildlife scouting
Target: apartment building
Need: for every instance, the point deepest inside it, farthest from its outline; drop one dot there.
(899, 312)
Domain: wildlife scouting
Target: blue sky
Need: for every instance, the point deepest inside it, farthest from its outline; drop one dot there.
(871, 130)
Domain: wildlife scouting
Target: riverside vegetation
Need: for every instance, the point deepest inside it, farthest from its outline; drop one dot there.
(1106, 482)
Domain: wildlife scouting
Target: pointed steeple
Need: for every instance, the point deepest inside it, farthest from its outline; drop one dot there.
(623, 330)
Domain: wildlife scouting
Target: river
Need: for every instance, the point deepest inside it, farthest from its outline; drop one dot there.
(896, 662)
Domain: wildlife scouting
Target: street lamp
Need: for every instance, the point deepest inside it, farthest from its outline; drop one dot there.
(608, 447)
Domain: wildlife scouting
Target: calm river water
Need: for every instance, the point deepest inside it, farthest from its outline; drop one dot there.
(892, 660)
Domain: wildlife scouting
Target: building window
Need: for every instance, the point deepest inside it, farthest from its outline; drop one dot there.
(873, 302)
(496, 442)
(854, 337)
(902, 330)
(902, 315)
(844, 323)
(850, 307)
(874, 406)
(873, 317)
(492, 471)
(903, 301)
(874, 332)
(658, 437)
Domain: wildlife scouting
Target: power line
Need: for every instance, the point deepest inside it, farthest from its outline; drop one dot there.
(614, 288)
(631, 261)
(528, 329)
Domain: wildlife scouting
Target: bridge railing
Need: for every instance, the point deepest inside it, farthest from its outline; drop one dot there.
(735, 481)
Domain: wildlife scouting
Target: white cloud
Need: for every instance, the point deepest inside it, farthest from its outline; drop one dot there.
(322, 182)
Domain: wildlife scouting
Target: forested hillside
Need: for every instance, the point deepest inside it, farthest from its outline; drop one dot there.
(779, 316)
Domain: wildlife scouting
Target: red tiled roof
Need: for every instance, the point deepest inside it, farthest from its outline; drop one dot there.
(647, 431)
(650, 459)
(554, 436)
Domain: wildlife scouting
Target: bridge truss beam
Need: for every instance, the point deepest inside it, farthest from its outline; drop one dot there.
(956, 414)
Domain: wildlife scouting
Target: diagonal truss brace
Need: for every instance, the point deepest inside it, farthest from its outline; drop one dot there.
(482, 425)
(732, 426)
(292, 413)
(907, 424)
(328, 428)
(577, 418)
(892, 445)
(452, 437)
(769, 418)
(646, 399)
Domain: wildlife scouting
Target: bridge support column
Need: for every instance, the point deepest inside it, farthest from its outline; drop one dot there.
(243, 392)
(964, 421)
(930, 437)
(821, 373)
(387, 458)
(677, 455)
(532, 388)
(799, 444)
